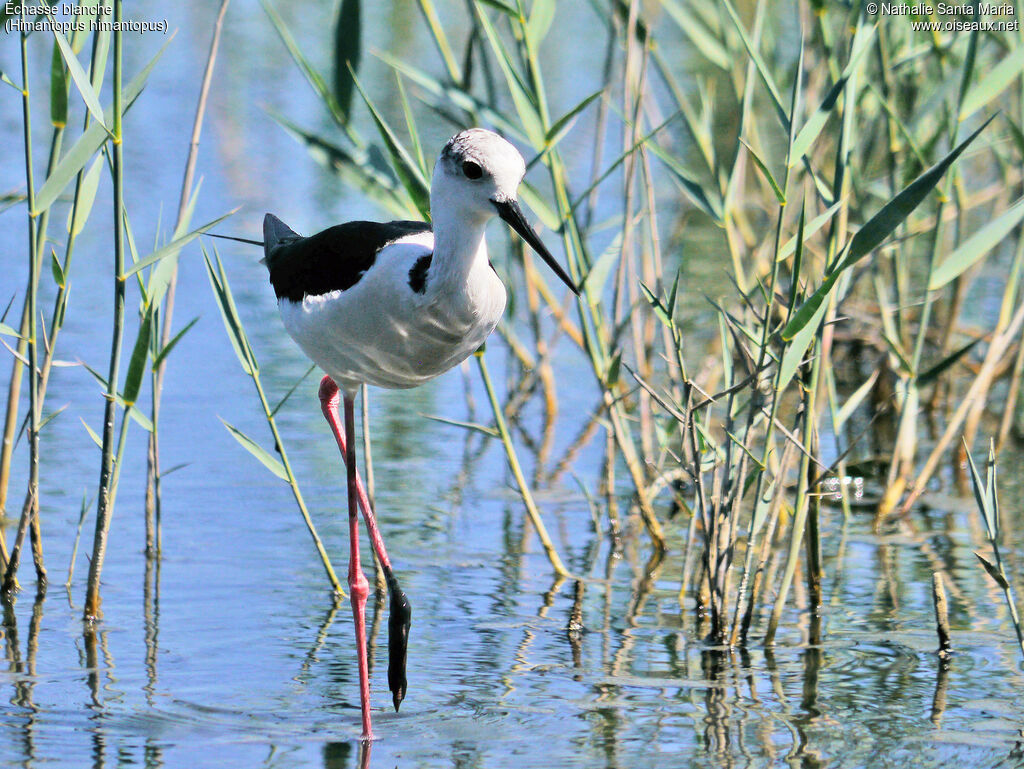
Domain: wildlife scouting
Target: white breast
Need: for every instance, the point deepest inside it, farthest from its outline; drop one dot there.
(381, 332)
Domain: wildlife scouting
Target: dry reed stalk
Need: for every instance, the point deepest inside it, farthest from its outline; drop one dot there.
(153, 497)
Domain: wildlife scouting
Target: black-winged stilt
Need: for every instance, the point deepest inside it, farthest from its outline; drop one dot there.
(394, 304)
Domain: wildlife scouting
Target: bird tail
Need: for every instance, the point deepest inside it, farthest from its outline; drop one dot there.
(275, 232)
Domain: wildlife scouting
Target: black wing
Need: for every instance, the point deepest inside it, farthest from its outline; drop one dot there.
(334, 259)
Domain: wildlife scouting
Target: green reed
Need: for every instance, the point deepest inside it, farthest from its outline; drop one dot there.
(104, 509)
(99, 143)
(29, 331)
(987, 497)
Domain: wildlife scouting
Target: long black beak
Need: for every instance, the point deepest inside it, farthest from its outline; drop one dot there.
(510, 211)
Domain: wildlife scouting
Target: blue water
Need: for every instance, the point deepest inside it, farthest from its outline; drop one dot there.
(230, 650)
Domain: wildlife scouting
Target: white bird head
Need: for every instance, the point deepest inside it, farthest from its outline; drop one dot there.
(476, 177)
(475, 168)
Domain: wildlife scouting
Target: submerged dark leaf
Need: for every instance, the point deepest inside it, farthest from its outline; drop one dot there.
(933, 373)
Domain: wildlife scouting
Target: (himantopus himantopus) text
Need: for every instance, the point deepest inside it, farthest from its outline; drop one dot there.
(394, 304)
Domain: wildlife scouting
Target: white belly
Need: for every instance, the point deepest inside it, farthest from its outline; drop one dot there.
(381, 332)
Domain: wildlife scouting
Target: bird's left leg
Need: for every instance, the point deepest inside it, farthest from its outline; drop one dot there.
(400, 614)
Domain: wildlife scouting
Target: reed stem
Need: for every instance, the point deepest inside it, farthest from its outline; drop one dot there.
(153, 495)
(32, 496)
(104, 510)
(517, 472)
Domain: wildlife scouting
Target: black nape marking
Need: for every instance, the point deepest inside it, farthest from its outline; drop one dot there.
(418, 274)
(334, 259)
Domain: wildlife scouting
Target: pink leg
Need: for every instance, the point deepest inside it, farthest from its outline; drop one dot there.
(358, 587)
(330, 396)
(400, 615)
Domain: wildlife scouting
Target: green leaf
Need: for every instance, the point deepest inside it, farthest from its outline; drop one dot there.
(614, 366)
(89, 142)
(876, 230)
(673, 293)
(314, 78)
(505, 8)
(799, 343)
(58, 89)
(179, 466)
(163, 272)
(166, 349)
(762, 507)
(659, 309)
(981, 497)
(1016, 133)
(597, 276)
(408, 171)
(137, 363)
(541, 15)
(976, 246)
(855, 399)
(762, 68)
(812, 227)
(268, 461)
(811, 308)
(535, 203)
(525, 107)
(990, 485)
(133, 411)
(93, 435)
(354, 169)
(7, 309)
(102, 43)
(50, 417)
(294, 387)
(565, 123)
(935, 371)
(172, 248)
(86, 196)
(742, 447)
(55, 269)
(441, 40)
(232, 323)
(476, 427)
(691, 188)
(688, 21)
(805, 138)
(347, 52)
(779, 194)
(893, 213)
(994, 83)
(82, 82)
(411, 128)
(798, 258)
(446, 94)
(901, 359)
(993, 572)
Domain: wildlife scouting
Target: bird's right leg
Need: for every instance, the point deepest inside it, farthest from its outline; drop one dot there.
(358, 587)
(400, 613)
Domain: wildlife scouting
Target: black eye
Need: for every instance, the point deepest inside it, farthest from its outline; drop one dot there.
(472, 170)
